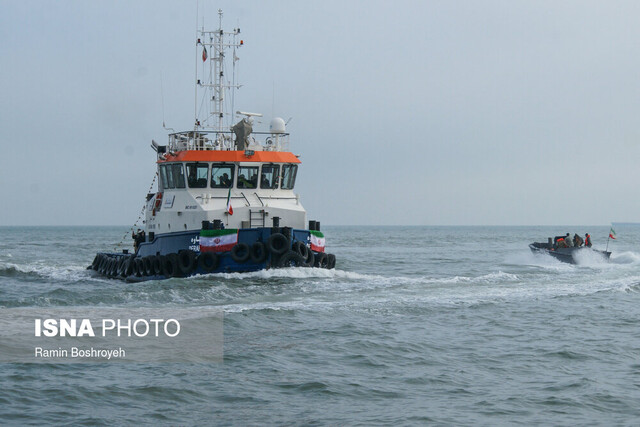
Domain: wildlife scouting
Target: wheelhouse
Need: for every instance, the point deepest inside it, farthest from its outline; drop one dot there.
(271, 176)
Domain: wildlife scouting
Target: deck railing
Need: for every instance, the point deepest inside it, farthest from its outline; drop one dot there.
(212, 140)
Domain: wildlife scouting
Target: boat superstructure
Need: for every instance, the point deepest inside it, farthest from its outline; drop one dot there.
(225, 199)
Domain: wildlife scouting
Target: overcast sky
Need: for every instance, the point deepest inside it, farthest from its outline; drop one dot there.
(404, 112)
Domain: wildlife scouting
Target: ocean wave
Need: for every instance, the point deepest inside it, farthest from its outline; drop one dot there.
(290, 273)
(40, 271)
(625, 258)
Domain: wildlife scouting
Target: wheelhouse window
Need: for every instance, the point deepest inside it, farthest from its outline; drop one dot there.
(197, 175)
(289, 176)
(163, 177)
(222, 175)
(269, 177)
(175, 175)
(248, 177)
(172, 175)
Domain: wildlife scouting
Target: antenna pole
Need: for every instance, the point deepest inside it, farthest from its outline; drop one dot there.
(195, 83)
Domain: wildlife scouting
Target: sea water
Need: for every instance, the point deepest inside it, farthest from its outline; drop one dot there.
(444, 325)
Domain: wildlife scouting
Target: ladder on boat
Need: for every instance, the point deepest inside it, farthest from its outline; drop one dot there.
(256, 218)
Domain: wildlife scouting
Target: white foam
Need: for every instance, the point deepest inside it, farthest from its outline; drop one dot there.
(625, 258)
(68, 272)
(292, 273)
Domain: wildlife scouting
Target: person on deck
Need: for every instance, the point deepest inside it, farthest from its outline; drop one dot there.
(577, 240)
(587, 240)
(568, 240)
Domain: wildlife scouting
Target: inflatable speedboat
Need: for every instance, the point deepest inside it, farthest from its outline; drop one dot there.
(564, 254)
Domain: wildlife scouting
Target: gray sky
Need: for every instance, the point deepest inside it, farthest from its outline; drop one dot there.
(421, 112)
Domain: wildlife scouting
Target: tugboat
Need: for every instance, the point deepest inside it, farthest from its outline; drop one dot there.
(225, 199)
(564, 254)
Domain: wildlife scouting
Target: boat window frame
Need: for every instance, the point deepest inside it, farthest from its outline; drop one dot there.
(198, 165)
(181, 175)
(231, 178)
(275, 175)
(288, 166)
(257, 175)
(163, 177)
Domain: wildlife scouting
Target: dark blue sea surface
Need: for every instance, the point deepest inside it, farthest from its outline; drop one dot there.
(436, 325)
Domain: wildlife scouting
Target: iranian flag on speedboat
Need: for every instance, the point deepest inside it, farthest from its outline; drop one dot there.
(218, 240)
(317, 241)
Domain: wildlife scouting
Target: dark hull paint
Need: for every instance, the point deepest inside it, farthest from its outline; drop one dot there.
(564, 254)
(173, 243)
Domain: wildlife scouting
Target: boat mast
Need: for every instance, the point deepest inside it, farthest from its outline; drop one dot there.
(213, 83)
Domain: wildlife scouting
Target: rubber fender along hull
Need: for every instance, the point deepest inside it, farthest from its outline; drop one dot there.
(256, 249)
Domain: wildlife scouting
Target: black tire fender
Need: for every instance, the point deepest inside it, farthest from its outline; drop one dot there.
(157, 265)
(311, 259)
(128, 266)
(186, 261)
(96, 262)
(170, 265)
(240, 253)
(291, 259)
(208, 261)
(148, 267)
(301, 248)
(278, 243)
(121, 266)
(258, 252)
(321, 260)
(138, 267)
(331, 261)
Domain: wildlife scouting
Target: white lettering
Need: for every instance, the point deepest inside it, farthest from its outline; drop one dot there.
(135, 327)
(51, 327)
(156, 322)
(106, 328)
(67, 327)
(127, 328)
(86, 328)
(166, 328)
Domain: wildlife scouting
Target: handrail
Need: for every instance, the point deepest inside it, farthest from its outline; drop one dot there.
(245, 198)
(205, 140)
(256, 194)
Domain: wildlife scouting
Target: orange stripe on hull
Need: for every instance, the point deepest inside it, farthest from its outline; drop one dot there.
(232, 156)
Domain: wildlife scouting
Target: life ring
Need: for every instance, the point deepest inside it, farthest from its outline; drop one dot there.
(157, 267)
(291, 259)
(240, 253)
(258, 252)
(157, 204)
(186, 261)
(278, 243)
(301, 248)
(321, 260)
(331, 261)
(208, 261)
(170, 265)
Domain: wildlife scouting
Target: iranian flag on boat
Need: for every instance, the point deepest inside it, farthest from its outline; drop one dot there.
(317, 241)
(218, 240)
